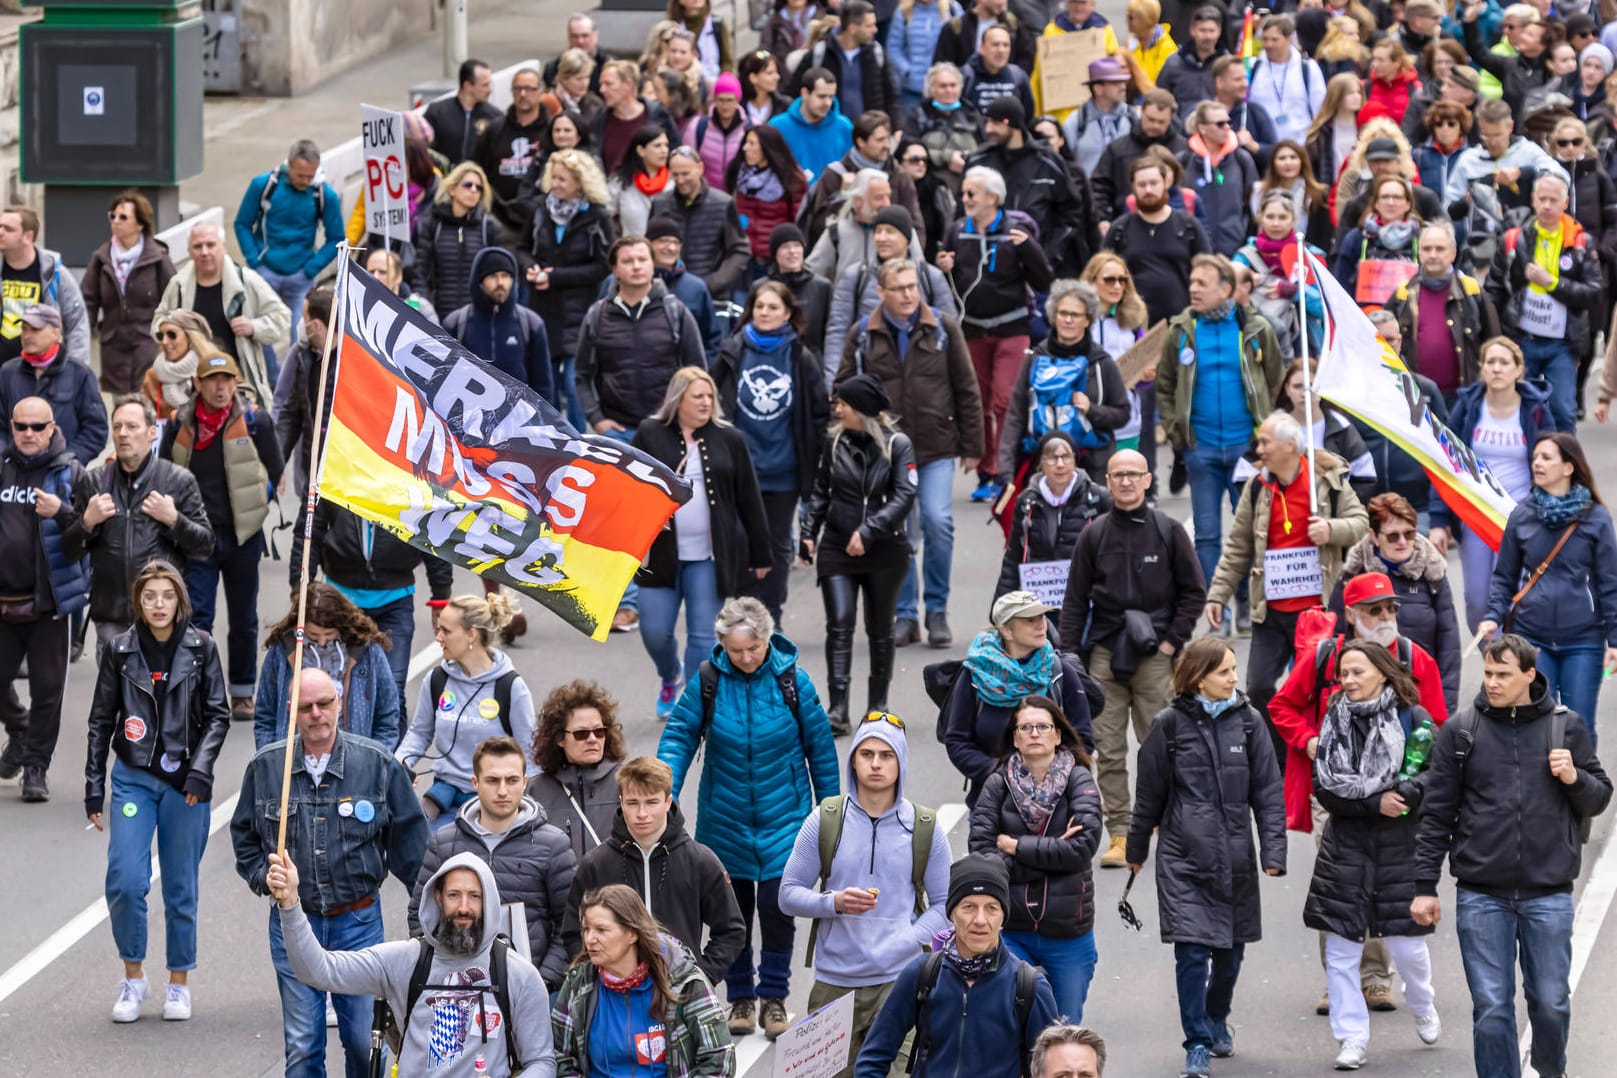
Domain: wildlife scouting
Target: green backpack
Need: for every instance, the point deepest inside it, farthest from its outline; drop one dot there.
(833, 816)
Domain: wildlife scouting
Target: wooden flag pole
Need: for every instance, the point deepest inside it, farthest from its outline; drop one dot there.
(313, 497)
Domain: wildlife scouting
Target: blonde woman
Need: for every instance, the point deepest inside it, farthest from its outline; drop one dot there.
(1149, 45)
(1335, 130)
(714, 49)
(448, 238)
(183, 346)
(716, 540)
(1120, 324)
(1342, 51)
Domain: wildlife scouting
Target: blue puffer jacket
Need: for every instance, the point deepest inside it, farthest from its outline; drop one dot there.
(763, 771)
(371, 710)
(910, 41)
(282, 237)
(1575, 601)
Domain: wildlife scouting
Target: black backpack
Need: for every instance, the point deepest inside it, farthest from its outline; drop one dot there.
(1465, 729)
(1027, 984)
(707, 677)
(439, 680)
(392, 1030)
(939, 680)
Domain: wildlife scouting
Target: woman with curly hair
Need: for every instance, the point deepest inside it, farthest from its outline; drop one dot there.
(578, 745)
(342, 640)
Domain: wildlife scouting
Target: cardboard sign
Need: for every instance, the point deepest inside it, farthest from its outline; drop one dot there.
(1143, 355)
(1379, 278)
(1063, 66)
(1292, 573)
(818, 1046)
(382, 133)
(1047, 580)
(1543, 315)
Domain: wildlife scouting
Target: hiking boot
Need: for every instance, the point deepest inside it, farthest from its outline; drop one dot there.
(625, 620)
(1324, 1004)
(11, 760)
(905, 632)
(937, 629)
(177, 1007)
(773, 1016)
(34, 788)
(1197, 1064)
(1351, 1057)
(741, 1024)
(1223, 1040)
(1379, 998)
(241, 709)
(1428, 1027)
(1116, 855)
(131, 994)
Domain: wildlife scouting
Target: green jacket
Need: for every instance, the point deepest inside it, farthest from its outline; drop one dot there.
(1248, 538)
(699, 1044)
(1262, 370)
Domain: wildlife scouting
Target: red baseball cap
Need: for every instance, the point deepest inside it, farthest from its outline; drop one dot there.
(1368, 587)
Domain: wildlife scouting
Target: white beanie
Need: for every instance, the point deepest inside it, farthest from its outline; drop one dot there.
(1599, 52)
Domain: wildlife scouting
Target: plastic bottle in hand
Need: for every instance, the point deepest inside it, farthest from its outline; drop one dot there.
(1417, 749)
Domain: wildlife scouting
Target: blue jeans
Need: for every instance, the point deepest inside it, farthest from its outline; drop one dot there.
(1208, 468)
(934, 510)
(237, 566)
(303, 1009)
(1477, 560)
(1574, 673)
(397, 620)
(141, 804)
(293, 288)
(1554, 363)
(697, 585)
(565, 370)
(448, 797)
(1206, 979)
(1069, 965)
(1490, 930)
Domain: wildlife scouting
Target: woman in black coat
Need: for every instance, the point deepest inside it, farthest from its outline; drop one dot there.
(1040, 812)
(1419, 574)
(160, 707)
(864, 488)
(1206, 770)
(1057, 505)
(715, 541)
(773, 385)
(448, 237)
(1364, 875)
(566, 259)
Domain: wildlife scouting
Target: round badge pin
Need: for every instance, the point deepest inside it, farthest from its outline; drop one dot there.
(1187, 356)
(489, 709)
(345, 809)
(364, 811)
(446, 702)
(169, 762)
(129, 809)
(1566, 262)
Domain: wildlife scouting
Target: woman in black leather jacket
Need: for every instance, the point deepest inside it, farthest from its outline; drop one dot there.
(863, 491)
(160, 705)
(1059, 501)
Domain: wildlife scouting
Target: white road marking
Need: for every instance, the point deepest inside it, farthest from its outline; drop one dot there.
(423, 660)
(951, 814)
(1587, 921)
(86, 921)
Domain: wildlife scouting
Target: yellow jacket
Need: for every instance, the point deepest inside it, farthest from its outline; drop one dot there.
(1152, 57)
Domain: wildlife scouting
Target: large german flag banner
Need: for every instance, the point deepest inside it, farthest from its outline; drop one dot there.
(466, 463)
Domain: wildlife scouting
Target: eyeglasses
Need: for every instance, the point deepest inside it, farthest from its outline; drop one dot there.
(593, 733)
(1035, 727)
(114, 215)
(1064, 316)
(1399, 536)
(1109, 279)
(900, 289)
(915, 159)
(325, 703)
(1216, 123)
(524, 89)
(1383, 609)
(37, 428)
(170, 335)
(470, 185)
(1063, 455)
(1565, 142)
(152, 598)
(1127, 477)
(882, 716)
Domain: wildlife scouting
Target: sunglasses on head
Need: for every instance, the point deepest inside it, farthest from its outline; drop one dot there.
(37, 428)
(882, 716)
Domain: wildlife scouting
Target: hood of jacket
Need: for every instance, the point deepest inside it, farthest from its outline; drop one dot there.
(674, 834)
(462, 682)
(1425, 563)
(1472, 396)
(492, 260)
(795, 115)
(1539, 704)
(894, 738)
(529, 815)
(432, 915)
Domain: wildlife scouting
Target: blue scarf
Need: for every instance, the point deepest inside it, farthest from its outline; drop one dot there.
(1215, 708)
(902, 331)
(1002, 681)
(1556, 510)
(768, 342)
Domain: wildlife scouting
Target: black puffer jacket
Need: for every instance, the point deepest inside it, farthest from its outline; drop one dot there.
(445, 247)
(577, 265)
(1044, 532)
(973, 730)
(714, 245)
(1364, 876)
(340, 548)
(121, 546)
(1052, 878)
(532, 864)
(810, 408)
(1202, 781)
(624, 369)
(124, 718)
(813, 295)
(856, 488)
(570, 788)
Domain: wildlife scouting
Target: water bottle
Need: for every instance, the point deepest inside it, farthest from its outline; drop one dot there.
(1417, 748)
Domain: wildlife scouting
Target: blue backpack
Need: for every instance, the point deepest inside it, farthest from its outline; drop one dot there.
(1052, 382)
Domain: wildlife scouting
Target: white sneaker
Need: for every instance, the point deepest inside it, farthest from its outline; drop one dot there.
(1351, 1057)
(331, 1014)
(1428, 1027)
(177, 1007)
(131, 994)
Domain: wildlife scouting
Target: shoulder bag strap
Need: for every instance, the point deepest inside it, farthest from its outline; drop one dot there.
(1543, 566)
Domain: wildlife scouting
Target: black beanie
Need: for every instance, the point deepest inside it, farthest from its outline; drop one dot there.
(895, 217)
(864, 394)
(659, 228)
(783, 234)
(978, 874)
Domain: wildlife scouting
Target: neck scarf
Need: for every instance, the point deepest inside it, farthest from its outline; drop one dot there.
(629, 983)
(209, 424)
(760, 183)
(1436, 283)
(175, 377)
(1557, 510)
(653, 183)
(1222, 311)
(768, 342)
(1036, 799)
(1270, 250)
(1397, 236)
(1002, 681)
(43, 359)
(1215, 708)
(978, 965)
(865, 162)
(124, 260)
(1356, 771)
(562, 210)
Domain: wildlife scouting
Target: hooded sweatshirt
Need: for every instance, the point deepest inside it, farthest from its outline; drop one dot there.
(815, 145)
(448, 729)
(874, 852)
(442, 1034)
(507, 336)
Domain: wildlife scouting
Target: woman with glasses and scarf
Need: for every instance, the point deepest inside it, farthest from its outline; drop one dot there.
(1364, 874)
(448, 239)
(1004, 664)
(1389, 232)
(578, 745)
(1040, 812)
(183, 345)
(342, 640)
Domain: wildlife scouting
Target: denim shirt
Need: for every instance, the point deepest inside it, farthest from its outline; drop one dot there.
(341, 856)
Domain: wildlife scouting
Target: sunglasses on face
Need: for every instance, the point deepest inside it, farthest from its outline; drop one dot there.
(1399, 536)
(1564, 143)
(470, 185)
(915, 159)
(1114, 280)
(114, 215)
(1217, 123)
(593, 733)
(1381, 610)
(170, 335)
(324, 704)
(37, 428)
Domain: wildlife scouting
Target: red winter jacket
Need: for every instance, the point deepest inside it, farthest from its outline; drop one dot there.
(1389, 99)
(759, 218)
(1296, 711)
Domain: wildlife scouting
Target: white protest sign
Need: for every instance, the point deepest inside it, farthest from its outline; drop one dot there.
(818, 1045)
(1292, 573)
(382, 134)
(1047, 580)
(1543, 315)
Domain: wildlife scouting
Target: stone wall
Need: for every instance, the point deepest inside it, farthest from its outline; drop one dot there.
(291, 46)
(12, 190)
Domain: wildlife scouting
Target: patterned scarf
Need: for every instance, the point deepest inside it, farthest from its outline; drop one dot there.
(1556, 510)
(562, 209)
(978, 965)
(123, 261)
(1002, 681)
(1037, 799)
(1352, 771)
(759, 183)
(209, 424)
(626, 984)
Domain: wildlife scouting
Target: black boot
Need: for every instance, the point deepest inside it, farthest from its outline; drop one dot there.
(881, 670)
(839, 664)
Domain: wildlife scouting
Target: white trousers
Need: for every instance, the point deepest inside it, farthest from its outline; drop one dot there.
(1350, 1016)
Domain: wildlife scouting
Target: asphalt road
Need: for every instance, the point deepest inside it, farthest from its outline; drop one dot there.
(58, 967)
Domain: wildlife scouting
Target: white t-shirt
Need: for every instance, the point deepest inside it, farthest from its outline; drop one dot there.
(1501, 445)
(693, 524)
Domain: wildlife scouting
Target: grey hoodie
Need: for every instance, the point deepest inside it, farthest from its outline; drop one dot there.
(447, 730)
(869, 948)
(442, 1036)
